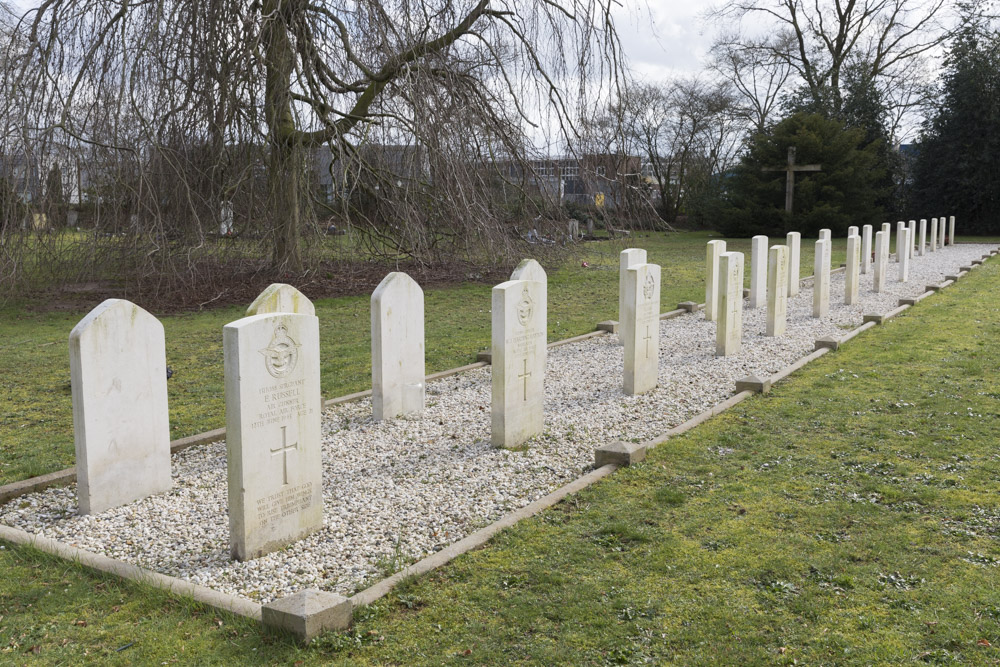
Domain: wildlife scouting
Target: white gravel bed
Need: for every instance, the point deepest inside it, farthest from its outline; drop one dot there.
(395, 491)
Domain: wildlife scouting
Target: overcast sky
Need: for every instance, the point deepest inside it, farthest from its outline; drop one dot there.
(664, 37)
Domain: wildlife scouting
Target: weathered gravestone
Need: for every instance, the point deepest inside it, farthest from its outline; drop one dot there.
(530, 269)
(934, 234)
(272, 431)
(852, 231)
(922, 245)
(626, 260)
(281, 298)
(943, 232)
(902, 253)
(881, 261)
(852, 278)
(758, 271)
(912, 229)
(866, 248)
(729, 328)
(714, 250)
(821, 279)
(951, 230)
(777, 291)
(825, 235)
(794, 241)
(642, 310)
(397, 321)
(518, 366)
(121, 428)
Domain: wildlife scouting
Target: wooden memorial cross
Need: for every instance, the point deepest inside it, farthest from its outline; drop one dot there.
(790, 175)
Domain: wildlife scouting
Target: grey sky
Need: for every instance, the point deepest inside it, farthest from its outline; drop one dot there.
(664, 37)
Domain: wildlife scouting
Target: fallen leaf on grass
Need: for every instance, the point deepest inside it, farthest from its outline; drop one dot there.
(983, 642)
(82, 623)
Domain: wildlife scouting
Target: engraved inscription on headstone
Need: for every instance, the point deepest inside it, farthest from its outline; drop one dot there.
(272, 431)
(642, 310)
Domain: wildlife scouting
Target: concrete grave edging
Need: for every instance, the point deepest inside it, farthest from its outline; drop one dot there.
(246, 608)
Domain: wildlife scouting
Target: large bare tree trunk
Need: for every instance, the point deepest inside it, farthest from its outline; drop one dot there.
(283, 172)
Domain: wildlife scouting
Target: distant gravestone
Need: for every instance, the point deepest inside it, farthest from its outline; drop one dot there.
(912, 227)
(573, 229)
(825, 235)
(777, 290)
(900, 245)
(714, 250)
(590, 227)
(518, 364)
(758, 271)
(226, 219)
(272, 431)
(121, 428)
(794, 242)
(943, 232)
(729, 329)
(902, 241)
(626, 260)
(934, 234)
(852, 277)
(922, 245)
(852, 231)
(397, 321)
(951, 230)
(642, 310)
(821, 279)
(881, 261)
(866, 248)
(887, 228)
(281, 298)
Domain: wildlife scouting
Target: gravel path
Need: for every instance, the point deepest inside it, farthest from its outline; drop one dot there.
(395, 491)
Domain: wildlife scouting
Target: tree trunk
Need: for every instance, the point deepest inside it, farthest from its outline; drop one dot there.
(284, 166)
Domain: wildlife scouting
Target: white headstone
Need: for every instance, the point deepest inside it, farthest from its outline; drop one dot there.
(642, 347)
(226, 219)
(273, 406)
(794, 241)
(626, 260)
(881, 261)
(714, 250)
(758, 271)
(397, 319)
(900, 245)
(281, 298)
(852, 231)
(777, 290)
(912, 227)
(922, 245)
(530, 269)
(903, 268)
(729, 328)
(518, 364)
(118, 371)
(887, 228)
(852, 278)
(821, 279)
(943, 231)
(934, 234)
(866, 248)
(825, 235)
(951, 230)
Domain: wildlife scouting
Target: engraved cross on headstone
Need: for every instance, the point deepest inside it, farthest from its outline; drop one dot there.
(524, 376)
(284, 449)
(790, 170)
(647, 338)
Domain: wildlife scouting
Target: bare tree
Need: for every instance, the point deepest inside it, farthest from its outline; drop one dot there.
(756, 72)
(825, 36)
(687, 130)
(224, 101)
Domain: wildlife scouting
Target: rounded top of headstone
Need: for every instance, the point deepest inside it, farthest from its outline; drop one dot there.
(113, 310)
(396, 280)
(529, 269)
(281, 298)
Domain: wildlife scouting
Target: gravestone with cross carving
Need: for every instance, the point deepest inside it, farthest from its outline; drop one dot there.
(518, 364)
(790, 168)
(272, 431)
(642, 312)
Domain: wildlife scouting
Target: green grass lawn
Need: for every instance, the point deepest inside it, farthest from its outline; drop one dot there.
(851, 516)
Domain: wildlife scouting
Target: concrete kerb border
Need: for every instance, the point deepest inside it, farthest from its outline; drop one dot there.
(242, 607)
